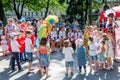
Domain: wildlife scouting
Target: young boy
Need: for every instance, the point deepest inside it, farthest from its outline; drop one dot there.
(29, 50)
(68, 51)
(15, 53)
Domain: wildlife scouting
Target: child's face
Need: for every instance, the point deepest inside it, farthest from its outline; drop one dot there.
(101, 44)
(29, 35)
(19, 36)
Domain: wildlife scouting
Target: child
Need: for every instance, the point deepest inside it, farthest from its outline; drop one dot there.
(62, 36)
(68, 51)
(53, 38)
(15, 53)
(29, 51)
(102, 55)
(20, 41)
(92, 47)
(43, 56)
(71, 38)
(81, 54)
(4, 46)
(109, 52)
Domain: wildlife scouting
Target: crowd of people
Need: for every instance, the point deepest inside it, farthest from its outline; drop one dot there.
(91, 44)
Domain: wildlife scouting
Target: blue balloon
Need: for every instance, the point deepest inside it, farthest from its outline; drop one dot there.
(22, 19)
(51, 21)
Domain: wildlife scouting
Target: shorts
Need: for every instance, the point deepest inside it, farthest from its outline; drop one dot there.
(92, 57)
(30, 56)
(69, 63)
(43, 59)
(101, 58)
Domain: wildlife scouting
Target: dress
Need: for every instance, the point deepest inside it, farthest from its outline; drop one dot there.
(110, 50)
(4, 45)
(81, 54)
(102, 57)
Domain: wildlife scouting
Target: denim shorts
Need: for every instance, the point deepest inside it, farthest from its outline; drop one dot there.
(30, 56)
(69, 63)
(92, 57)
(43, 59)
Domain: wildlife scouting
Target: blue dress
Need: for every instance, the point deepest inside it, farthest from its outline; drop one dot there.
(81, 54)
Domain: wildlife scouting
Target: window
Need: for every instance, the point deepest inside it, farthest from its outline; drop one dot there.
(36, 13)
(41, 13)
(28, 13)
(32, 14)
(25, 14)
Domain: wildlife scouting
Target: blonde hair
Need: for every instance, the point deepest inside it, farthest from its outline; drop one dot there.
(28, 23)
(10, 20)
(105, 37)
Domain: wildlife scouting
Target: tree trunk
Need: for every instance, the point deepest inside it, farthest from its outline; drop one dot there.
(2, 14)
(86, 10)
(18, 9)
(47, 8)
(90, 18)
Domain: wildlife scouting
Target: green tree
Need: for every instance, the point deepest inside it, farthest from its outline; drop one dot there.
(81, 7)
(36, 5)
(2, 14)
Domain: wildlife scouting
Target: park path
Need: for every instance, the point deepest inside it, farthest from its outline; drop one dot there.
(56, 70)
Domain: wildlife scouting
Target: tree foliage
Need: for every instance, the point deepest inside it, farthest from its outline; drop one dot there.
(36, 5)
(81, 7)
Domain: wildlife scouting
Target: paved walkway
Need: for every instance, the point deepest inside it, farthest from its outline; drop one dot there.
(56, 70)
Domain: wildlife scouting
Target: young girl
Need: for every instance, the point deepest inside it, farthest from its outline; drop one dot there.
(68, 51)
(102, 55)
(78, 35)
(92, 47)
(43, 56)
(4, 46)
(53, 39)
(109, 51)
(71, 38)
(81, 54)
(62, 36)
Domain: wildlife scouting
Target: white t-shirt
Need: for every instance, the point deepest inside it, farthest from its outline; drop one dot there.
(68, 53)
(71, 36)
(53, 35)
(92, 49)
(62, 34)
(28, 44)
(14, 46)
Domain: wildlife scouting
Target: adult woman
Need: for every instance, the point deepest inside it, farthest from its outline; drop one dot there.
(10, 28)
